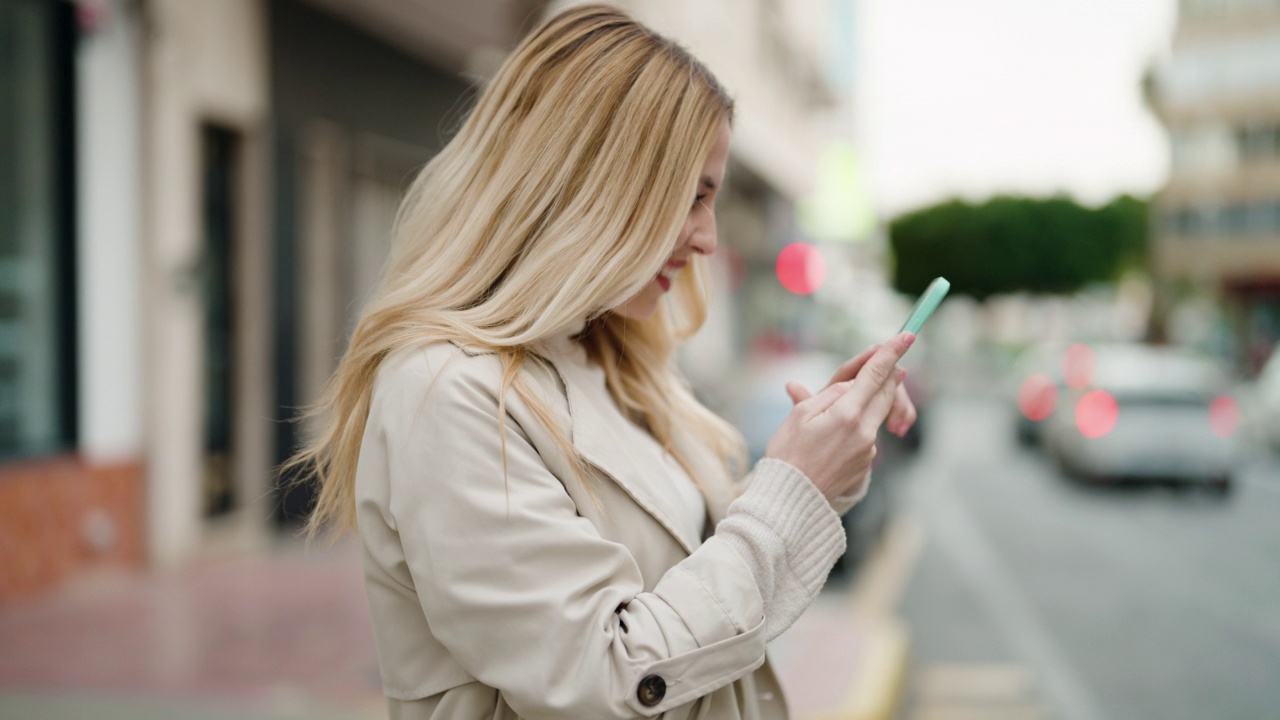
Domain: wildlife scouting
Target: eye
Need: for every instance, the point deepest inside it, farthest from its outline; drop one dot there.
(699, 199)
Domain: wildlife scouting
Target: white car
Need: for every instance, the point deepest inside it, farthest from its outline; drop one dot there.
(1265, 402)
(1035, 385)
(1148, 414)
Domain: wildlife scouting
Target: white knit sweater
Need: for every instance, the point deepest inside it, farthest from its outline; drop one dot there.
(782, 526)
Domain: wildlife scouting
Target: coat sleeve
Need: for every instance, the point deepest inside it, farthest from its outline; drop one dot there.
(526, 594)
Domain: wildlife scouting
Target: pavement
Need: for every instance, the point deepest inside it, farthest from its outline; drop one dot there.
(283, 633)
(848, 656)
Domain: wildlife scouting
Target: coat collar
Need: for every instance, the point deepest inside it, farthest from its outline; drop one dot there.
(598, 433)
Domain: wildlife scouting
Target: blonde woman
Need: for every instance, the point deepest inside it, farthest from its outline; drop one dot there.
(550, 521)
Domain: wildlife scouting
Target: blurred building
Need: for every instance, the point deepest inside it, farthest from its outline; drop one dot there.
(1218, 220)
(195, 199)
(56, 506)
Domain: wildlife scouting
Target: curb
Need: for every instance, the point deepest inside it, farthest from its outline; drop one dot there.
(841, 666)
(878, 685)
(877, 694)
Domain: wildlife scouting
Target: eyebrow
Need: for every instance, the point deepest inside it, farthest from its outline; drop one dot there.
(708, 183)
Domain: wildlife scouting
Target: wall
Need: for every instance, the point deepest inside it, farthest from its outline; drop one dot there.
(353, 119)
(205, 63)
(60, 517)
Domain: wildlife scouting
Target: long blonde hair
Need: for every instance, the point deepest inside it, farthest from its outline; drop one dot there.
(561, 196)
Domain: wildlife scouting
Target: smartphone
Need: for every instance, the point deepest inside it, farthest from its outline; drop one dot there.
(924, 307)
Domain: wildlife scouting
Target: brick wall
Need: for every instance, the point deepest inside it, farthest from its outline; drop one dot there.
(60, 516)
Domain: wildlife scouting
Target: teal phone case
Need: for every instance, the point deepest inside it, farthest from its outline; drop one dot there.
(924, 307)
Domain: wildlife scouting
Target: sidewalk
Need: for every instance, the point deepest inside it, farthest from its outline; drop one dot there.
(847, 657)
(277, 635)
(836, 666)
(284, 634)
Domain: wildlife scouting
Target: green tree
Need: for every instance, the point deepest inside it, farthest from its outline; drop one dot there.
(1011, 244)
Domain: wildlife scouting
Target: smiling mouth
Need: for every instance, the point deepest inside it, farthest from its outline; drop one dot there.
(669, 273)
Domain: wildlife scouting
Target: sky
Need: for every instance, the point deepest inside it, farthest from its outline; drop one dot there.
(970, 98)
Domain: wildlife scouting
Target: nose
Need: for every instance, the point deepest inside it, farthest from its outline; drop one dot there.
(702, 236)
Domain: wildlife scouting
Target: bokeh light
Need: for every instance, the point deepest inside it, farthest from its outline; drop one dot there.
(1037, 397)
(1078, 364)
(1096, 414)
(801, 268)
(1224, 416)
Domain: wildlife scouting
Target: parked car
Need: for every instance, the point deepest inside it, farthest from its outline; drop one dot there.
(1264, 403)
(1148, 413)
(1035, 386)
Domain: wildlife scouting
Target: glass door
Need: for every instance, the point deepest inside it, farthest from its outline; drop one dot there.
(220, 171)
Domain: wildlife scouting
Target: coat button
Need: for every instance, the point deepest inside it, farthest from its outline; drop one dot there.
(651, 691)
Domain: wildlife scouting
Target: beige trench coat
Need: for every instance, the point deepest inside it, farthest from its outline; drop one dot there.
(524, 598)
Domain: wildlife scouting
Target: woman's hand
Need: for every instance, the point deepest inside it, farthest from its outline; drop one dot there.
(901, 417)
(831, 436)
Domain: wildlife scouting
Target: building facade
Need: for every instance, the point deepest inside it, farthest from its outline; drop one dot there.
(195, 200)
(71, 484)
(1217, 223)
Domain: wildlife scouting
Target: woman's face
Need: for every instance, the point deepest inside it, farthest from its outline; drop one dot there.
(698, 236)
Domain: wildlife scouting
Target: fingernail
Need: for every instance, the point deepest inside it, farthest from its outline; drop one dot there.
(908, 338)
(902, 374)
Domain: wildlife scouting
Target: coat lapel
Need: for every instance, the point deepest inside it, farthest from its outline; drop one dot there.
(601, 434)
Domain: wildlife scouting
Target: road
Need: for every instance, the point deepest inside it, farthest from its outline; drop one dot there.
(1034, 597)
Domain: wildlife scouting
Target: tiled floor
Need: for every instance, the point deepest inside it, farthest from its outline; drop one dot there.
(279, 635)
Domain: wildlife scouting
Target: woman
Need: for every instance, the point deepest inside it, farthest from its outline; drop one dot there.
(549, 519)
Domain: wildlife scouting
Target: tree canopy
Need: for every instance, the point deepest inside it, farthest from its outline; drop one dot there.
(1011, 244)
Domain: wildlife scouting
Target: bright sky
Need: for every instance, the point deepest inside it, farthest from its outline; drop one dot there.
(975, 97)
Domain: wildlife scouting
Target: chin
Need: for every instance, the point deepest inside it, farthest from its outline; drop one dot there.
(637, 311)
(643, 306)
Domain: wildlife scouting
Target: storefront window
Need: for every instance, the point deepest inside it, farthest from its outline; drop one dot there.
(37, 370)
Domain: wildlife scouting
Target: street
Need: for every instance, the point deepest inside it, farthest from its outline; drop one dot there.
(1034, 596)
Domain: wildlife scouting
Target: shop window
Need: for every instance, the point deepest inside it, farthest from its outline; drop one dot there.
(1235, 220)
(1258, 142)
(37, 204)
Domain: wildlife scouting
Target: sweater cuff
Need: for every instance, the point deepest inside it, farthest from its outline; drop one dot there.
(788, 534)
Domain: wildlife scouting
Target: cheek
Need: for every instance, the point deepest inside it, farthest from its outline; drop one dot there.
(686, 231)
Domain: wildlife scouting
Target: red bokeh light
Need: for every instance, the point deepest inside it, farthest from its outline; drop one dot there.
(1224, 416)
(801, 268)
(1096, 414)
(1037, 397)
(1078, 364)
